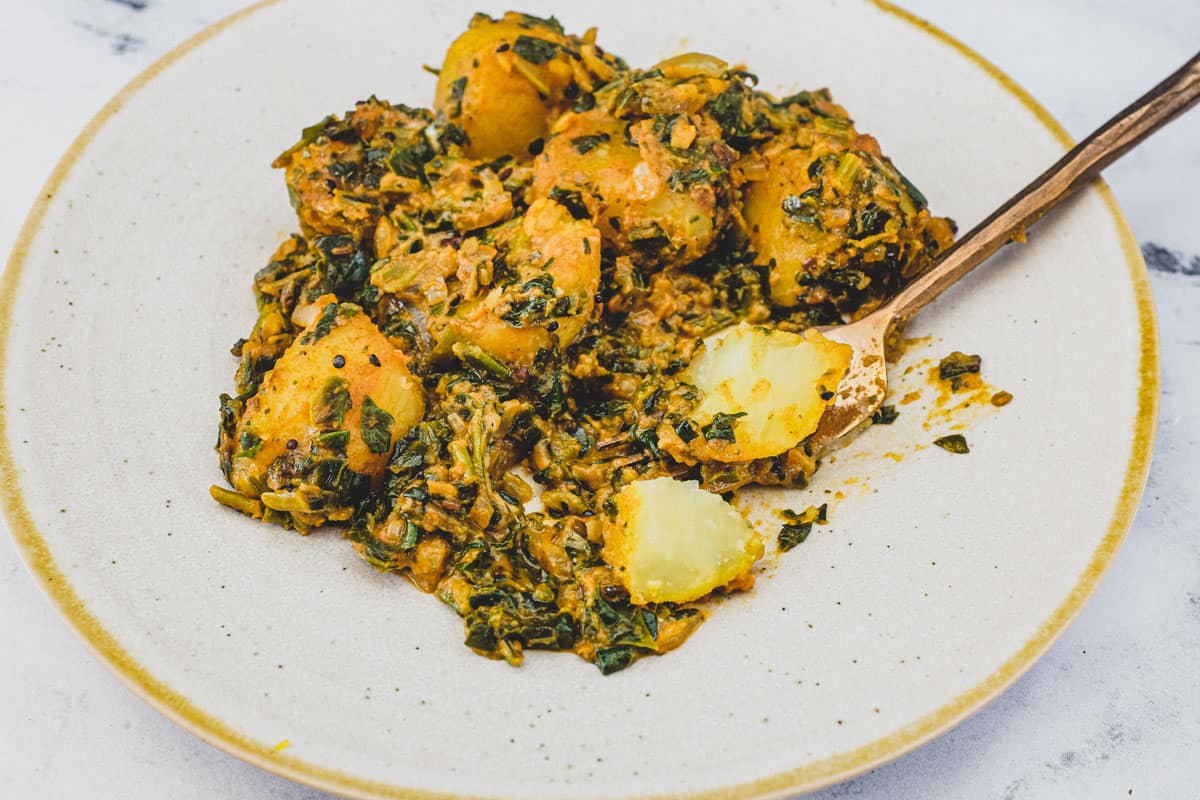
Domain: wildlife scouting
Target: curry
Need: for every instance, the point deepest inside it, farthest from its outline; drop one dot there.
(527, 341)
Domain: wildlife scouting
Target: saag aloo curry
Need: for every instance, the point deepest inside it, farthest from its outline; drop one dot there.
(527, 341)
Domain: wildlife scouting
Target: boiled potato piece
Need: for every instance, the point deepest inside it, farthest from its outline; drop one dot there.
(503, 81)
(649, 164)
(777, 383)
(834, 221)
(635, 193)
(673, 542)
(345, 172)
(322, 424)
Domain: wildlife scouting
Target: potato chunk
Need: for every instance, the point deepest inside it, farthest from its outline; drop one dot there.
(763, 391)
(674, 542)
(649, 166)
(503, 81)
(344, 173)
(646, 205)
(321, 426)
(832, 218)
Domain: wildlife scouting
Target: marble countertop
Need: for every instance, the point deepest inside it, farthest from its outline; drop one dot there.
(1113, 710)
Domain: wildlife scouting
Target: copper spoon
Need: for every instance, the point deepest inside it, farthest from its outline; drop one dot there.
(862, 390)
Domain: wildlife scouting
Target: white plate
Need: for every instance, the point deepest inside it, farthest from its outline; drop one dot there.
(940, 579)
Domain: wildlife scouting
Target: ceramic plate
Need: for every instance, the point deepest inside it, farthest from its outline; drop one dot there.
(940, 578)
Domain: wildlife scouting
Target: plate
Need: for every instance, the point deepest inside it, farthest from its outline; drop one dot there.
(938, 581)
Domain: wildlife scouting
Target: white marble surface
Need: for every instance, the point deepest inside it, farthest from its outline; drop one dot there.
(1112, 711)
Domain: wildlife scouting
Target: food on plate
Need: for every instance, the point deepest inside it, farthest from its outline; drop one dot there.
(528, 341)
(648, 163)
(832, 218)
(319, 429)
(762, 391)
(505, 81)
(553, 265)
(671, 541)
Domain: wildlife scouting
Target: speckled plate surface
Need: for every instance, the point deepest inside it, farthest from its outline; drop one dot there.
(939, 580)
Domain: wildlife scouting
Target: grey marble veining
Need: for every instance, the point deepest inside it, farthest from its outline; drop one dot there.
(1113, 710)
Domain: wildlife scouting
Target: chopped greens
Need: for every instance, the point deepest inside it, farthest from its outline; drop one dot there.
(588, 143)
(376, 427)
(721, 426)
(956, 367)
(534, 50)
(885, 415)
(332, 402)
(954, 443)
(797, 526)
(793, 533)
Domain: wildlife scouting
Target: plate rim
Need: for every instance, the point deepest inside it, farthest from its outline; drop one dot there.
(180, 710)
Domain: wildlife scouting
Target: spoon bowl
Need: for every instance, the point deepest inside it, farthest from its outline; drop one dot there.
(864, 387)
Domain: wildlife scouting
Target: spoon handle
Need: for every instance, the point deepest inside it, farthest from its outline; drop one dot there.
(1078, 167)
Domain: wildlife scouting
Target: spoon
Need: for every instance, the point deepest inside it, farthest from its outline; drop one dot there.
(862, 391)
